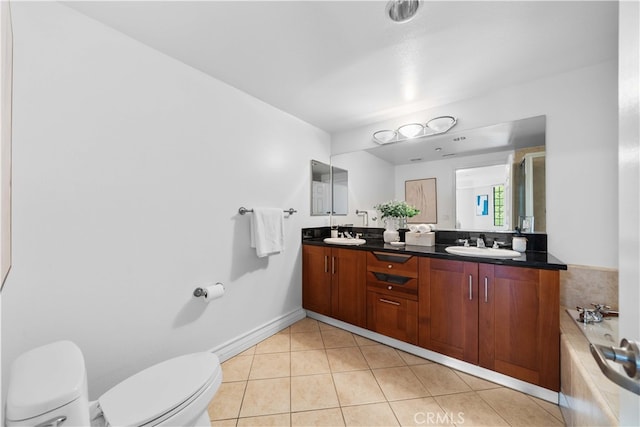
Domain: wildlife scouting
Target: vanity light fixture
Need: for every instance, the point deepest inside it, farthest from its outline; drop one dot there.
(411, 130)
(401, 11)
(435, 126)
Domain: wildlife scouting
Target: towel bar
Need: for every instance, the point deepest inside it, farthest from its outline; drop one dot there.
(244, 210)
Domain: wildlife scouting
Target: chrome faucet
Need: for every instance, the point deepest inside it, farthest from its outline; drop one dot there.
(480, 241)
(595, 314)
(365, 219)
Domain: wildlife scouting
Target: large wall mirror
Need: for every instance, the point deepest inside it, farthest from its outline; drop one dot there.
(329, 189)
(489, 178)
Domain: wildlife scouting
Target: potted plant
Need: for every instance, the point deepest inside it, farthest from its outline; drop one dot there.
(393, 213)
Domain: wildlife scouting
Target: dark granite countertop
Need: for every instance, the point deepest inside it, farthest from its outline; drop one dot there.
(534, 259)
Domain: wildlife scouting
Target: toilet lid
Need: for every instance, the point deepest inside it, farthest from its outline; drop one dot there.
(159, 389)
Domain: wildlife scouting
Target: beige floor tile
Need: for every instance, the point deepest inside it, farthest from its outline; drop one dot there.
(274, 344)
(278, 420)
(469, 409)
(517, 408)
(266, 397)
(226, 403)
(377, 414)
(439, 379)
(362, 341)
(305, 325)
(551, 408)
(320, 418)
(382, 356)
(421, 412)
(337, 338)
(399, 383)
(357, 388)
(309, 362)
(313, 392)
(225, 423)
(306, 341)
(236, 369)
(411, 359)
(285, 331)
(270, 365)
(476, 383)
(248, 352)
(346, 359)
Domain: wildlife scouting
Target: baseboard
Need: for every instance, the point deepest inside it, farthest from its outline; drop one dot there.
(239, 344)
(531, 389)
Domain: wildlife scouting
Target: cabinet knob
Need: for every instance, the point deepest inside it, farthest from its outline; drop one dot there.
(390, 266)
(389, 287)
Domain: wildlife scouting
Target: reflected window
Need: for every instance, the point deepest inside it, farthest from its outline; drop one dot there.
(498, 205)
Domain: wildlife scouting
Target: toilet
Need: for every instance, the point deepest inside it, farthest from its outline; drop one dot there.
(48, 387)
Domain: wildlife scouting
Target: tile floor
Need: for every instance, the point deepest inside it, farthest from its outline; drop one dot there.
(313, 374)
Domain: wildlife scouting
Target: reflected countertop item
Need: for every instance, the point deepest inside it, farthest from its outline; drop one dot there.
(532, 259)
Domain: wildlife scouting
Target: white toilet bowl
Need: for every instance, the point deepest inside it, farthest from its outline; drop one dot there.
(48, 387)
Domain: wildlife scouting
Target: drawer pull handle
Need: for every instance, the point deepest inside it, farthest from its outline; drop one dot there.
(389, 287)
(333, 265)
(326, 267)
(486, 289)
(390, 266)
(386, 301)
(470, 287)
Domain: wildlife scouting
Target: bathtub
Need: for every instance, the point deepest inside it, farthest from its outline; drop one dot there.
(587, 397)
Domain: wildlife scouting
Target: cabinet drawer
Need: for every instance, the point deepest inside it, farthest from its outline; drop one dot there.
(396, 264)
(393, 317)
(401, 286)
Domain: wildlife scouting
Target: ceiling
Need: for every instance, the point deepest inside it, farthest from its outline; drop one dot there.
(344, 64)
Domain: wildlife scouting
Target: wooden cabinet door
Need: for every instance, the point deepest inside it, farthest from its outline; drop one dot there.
(448, 307)
(519, 323)
(348, 286)
(392, 316)
(316, 279)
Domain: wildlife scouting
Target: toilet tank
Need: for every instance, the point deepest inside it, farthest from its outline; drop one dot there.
(48, 383)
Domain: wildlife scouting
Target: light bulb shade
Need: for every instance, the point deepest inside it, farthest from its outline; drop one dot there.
(441, 124)
(411, 130)
(384, 136)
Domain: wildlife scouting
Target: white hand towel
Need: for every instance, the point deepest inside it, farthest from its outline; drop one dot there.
(413, 228)
(424, 228)
(267, 231)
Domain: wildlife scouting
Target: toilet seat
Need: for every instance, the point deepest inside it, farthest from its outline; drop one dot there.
(159, 392)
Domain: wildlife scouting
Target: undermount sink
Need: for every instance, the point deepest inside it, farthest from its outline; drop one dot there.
(482, 252)
(344, 241)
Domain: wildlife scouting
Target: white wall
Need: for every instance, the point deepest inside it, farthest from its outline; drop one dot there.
(581, 109)
(129, 169)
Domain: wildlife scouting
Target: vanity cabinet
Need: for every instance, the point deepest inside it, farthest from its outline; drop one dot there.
(449, 308)
(333, 283)
(519, 330)
(502, 318)
(392, 295)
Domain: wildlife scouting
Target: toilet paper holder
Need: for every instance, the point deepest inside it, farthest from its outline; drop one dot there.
(202, 292)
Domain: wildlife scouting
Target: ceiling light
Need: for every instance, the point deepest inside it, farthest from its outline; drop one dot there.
(384, 136)
(441, 124)
(402, 10)
(410, 130)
